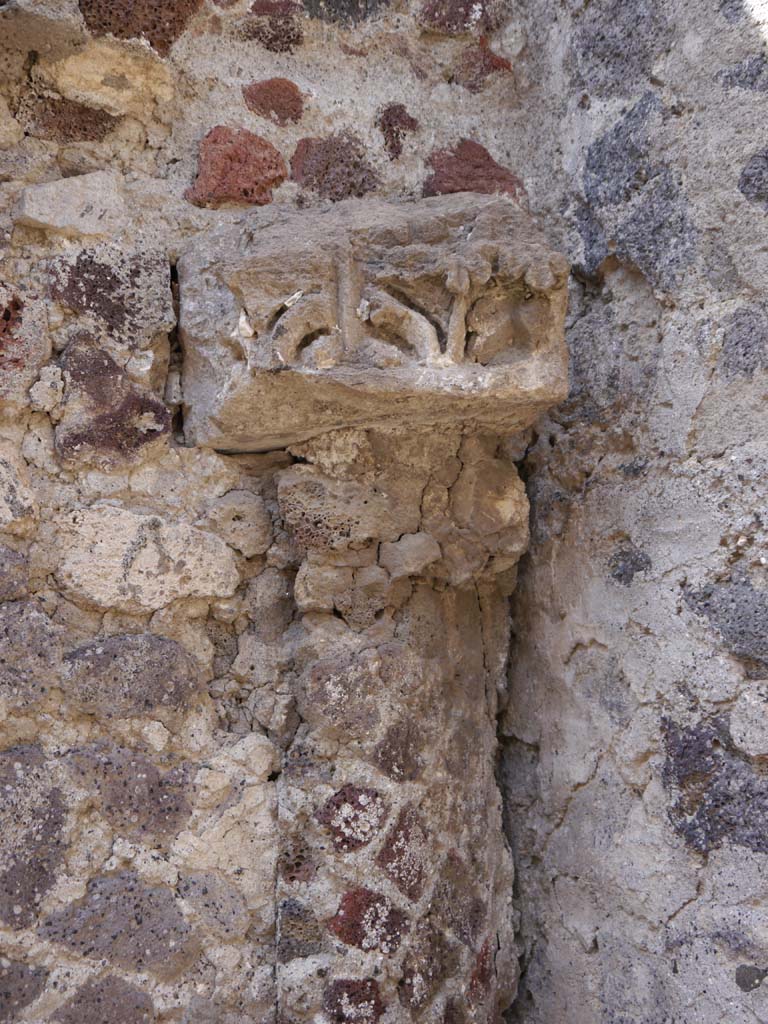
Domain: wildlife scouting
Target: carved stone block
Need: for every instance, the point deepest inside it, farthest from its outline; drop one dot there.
(371, 314)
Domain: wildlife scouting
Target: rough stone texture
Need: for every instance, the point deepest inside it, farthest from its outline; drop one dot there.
(394, 122)
(159, 23)
(275, 98)
(126, 922)
(275, 24)
(32, 846)
(110, 999)
(469, 167)
(127, 676)
(335, 167)
(114, 558)
(202, 649)
(106, 419)
(236, 166)
(20, 985)
(408, 300)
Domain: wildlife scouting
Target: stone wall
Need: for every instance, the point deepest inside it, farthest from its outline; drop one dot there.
(212, 815)
(636, 733)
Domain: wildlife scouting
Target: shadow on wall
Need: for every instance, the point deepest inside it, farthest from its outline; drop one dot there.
(636, 733)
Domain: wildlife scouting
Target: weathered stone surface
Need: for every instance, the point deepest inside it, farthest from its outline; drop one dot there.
(335, 167)
(63, 120)
(152, 20)
(243, 521)
(108, 75)
(404, 854)
(116, 558)
(87, 205)
(469, 167)
(344, 10)
(20, 985)
(275, 24)
(745, 343)
(236, 166)
(394, 122)
(381, 334)
(279, 99)
(739, 612)
(106, 419)
(753, 181)
(14, 571)
(111, 998)
(25, 342)
(409, 555)
(32, 846)
(369, 921)
(18, 509)
(127, 922)
(353, 816)
(122, 295)
(298, 932)
(721, 796)
(220, 906)
(133, 794)
(352, 1000)
(452, 17)
(429, 962)
(477, 65)
(31, 650)
(127, 676)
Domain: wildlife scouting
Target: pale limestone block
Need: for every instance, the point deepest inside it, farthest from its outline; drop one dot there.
(410, 555)
(114, 558)
(86, 205)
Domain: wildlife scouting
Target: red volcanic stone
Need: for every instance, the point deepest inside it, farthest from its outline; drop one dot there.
(454, 17)
(158, 21)
(476, 64)
(236, 166)
(353, 816)
(481, 981)
(403, 855)
(336, 168)
(397, 754)
(393, 122)
(369, 921)
(275, 24)
(62, 120)
(279, 99)
(352, 1001)
(469, 167)
(430, 960)
(107, 419)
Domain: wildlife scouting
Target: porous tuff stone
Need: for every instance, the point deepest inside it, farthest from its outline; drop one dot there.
(154, 20)
(129, 676)
(276, 98)
(373, 300)
(236, 166)
(469, 167)
(108, 999)
(335, 167)
(128, 923)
